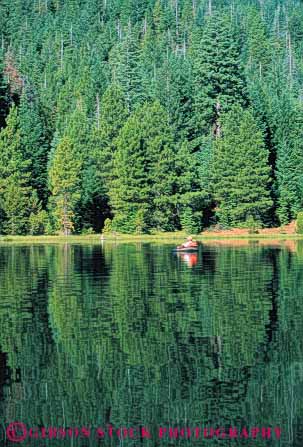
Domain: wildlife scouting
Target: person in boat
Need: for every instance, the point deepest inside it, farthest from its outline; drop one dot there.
(190, 243)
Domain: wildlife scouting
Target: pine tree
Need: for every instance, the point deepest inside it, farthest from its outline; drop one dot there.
(98, 166)
(289, 163)
(111, 116)
(124, 63)
(65, 183)
(144, 172)
(241, 174)
(15, 206)
(158, 18)
(217, 76)
(149, 62)
(258, 53)
(283, 114)
(15, 193)
(174, 87)
(192, 197)
(35, 144)
(78, 130)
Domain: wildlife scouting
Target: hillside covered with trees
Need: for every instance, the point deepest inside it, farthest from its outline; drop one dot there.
(144, 115)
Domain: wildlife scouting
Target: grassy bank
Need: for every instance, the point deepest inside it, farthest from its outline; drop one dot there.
(169, 238)
(93, 238)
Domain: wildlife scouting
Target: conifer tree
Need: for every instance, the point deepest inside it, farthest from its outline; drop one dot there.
(192, 196)
(258, 52)
(111, 116)
(175, 94)
(217, 76)
(124, 62)
(144, 172)
(98, 166)
(241, 174)
(158, 17)
(289, 163)
(283, 114)
(65, 183)
(15, 193)
(35, 144)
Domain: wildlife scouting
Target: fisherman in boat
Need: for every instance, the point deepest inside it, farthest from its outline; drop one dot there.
(190, 243)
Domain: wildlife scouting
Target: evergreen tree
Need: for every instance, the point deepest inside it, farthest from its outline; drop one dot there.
(289, 164)
(65, 183)
(217, 76)
(283, 119)
(175, 93)
(35, 144)
(241, 174)
(15, 193)
(111, 116)
(15, 197)
(258, 51)
(192, 197)
(98, 167)
(78, 131)
(144, 172)
(124, 62)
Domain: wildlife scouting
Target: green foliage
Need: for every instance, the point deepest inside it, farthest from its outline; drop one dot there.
(87, 231)
(14, 202)
(38, 223)
(85, 70)
(299, 223)
(257, 46)
(289, 165)
(15, 192)
(175, 91)
(65, 178)
(252, 225)
(144, 172)
(111, 116)
(107, 226)
(192, 195)
(190, 221)
(34, 142)
(99, 152)
(125, 66)
(241, 175)
(217, 76)
(140, 221)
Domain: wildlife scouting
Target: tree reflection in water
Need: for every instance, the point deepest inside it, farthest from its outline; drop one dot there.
(128, 335)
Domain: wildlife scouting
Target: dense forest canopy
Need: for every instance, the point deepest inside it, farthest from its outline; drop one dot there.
(149, 115)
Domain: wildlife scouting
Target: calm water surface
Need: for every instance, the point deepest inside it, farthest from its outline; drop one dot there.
(134, 335)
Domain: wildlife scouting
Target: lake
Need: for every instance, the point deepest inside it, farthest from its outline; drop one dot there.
(94, 338)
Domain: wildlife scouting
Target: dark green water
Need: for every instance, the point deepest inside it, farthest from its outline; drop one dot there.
(133, 335)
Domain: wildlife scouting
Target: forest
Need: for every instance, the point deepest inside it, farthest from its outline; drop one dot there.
(140, 116)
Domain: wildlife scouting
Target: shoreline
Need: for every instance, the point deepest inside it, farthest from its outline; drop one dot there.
(165, 238)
